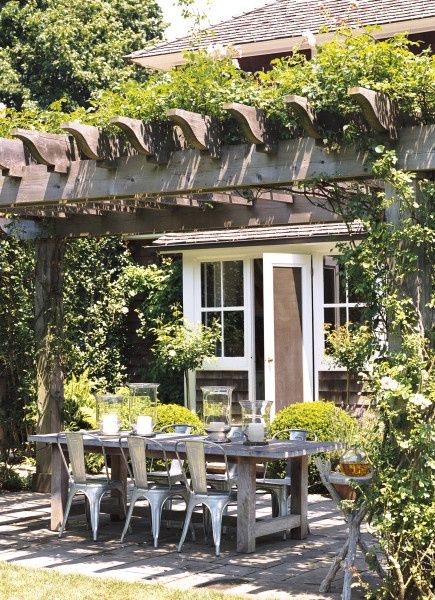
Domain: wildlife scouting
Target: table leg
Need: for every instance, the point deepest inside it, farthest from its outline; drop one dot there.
(59, 488)
(246, 490)
(119, 472)
(299, 494)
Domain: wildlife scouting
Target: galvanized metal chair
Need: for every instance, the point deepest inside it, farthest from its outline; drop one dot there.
(218, 481)
(279, 488)
(92, 487)
(216, 501)
(155, 494)
(175, 472)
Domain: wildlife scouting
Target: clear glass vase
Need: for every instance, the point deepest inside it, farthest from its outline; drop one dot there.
(216, 411)
(111, 410)
(255, 420)
(142, 407)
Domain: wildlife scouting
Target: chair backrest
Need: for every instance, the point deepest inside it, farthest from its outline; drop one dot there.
(137, 451)
(76, 453)
(195, 454)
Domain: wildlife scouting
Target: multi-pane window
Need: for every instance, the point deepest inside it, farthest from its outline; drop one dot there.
(340, 306)
(222, 301)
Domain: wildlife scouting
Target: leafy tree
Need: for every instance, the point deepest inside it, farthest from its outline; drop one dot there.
(51, 49)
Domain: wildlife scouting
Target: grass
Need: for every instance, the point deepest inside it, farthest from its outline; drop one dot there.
(24, 583)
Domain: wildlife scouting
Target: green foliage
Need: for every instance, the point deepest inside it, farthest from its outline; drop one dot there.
(79, 403)
(323, 419)
(17, 350)
(56, 48)
(168, 414)
(12, 481)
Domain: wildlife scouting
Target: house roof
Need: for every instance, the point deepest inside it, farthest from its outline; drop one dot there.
(260, 235)
(278, 26)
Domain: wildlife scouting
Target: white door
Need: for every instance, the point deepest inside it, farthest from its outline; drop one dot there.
(288, 329)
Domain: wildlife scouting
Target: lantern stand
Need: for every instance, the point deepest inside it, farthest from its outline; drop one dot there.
(216, 412)
(354, 517)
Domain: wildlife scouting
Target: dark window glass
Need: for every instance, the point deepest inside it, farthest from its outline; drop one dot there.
(234, 340)
(233, 282)
(208, 318)
(355, 314)
(211, 284)
(329, 285)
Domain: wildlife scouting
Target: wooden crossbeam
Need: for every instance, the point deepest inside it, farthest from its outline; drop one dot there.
(200, 131)
(157, 139)
(51, 149)
(191, 171)
(12, 157)
(305, 114)
(95, 143)
(253, 124)
(377, 108)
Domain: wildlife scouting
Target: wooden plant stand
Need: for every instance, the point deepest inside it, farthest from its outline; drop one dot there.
(345, 558)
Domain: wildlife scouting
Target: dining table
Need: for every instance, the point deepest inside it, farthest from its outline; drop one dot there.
(295, 453)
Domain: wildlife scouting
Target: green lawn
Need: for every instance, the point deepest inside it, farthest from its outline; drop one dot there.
(23, 583)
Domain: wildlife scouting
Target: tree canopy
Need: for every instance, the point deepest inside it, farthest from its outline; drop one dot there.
(52, 49)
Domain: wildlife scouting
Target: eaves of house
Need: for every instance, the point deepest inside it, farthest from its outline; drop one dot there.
(278, 27)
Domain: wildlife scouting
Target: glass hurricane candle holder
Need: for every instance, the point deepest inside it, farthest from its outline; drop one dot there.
(142, 410)
(255, 420)
(216, 412)
(110, 410)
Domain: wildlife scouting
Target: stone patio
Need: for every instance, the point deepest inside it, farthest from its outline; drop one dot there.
(280, 569)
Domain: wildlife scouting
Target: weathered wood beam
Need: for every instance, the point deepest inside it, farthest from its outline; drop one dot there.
(95, 143)
(158, 139)
(377, 108)
(305, 114)
(13, 157)
(51, 149)
(192, 172)
(200, 131)
(253, 124)
(49, 343)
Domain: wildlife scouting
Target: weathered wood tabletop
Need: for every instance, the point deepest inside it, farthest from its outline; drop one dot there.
(248, 527)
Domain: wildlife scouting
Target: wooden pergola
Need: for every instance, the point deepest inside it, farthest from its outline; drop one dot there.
(172, 176)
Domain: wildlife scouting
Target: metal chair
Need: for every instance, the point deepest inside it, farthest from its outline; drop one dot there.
(175, 472)
(279, 488)
(93, 488)
(155, 494)
(218, 481)
(216, 501)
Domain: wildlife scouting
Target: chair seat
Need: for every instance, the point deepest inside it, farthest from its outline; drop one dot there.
(98, 482)
(232, 496)
(163, 476)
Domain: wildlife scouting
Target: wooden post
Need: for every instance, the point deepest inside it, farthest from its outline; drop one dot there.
(48, 338)
(246, 505)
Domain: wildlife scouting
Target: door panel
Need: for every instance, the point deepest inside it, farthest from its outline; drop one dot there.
(287, 329)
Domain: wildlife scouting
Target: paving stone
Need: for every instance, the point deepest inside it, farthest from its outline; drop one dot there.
(279, 569)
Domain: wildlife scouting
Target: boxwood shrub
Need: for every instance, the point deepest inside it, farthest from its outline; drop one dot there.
(324, 419)
(173, 413)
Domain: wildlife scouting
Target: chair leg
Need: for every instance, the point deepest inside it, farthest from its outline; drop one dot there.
(189, 511)
(67, 509)
(129, 515)
(216, 521)
(95, 502)
(156, 507)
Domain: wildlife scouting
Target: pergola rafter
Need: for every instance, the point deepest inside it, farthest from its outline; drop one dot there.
(182, 164)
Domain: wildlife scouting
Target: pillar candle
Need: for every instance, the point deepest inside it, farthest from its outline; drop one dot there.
(110, 424)
(144, 425)
(255, 432)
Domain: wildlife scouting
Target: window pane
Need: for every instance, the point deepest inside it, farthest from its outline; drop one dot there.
(233, 283)
(335, 317)
(329, 285)
(211, 284)
(355, 314)
(234, 341)
(208, 318)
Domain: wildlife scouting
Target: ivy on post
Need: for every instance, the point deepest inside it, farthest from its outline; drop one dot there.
(49, 342)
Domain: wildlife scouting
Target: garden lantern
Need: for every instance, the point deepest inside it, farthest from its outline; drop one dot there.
(142, 409)
(255, 420)
(110, 412)
(216, 412)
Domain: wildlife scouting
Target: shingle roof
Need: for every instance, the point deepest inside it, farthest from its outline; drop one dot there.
(289, 18)
(260, 235)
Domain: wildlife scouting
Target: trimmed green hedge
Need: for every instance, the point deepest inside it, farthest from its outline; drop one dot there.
(328, 422)
(167, 414)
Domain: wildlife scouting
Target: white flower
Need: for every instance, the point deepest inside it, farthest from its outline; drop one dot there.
(2, 110)
(216, 50)
(420, 400)
(124, 310)
(389, 384)
(310, 37)
(172, 353)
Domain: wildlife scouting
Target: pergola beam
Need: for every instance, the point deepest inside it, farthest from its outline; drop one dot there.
(192, 171)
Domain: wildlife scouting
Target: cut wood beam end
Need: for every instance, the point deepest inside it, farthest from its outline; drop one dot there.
(200, 131)
(377, 108)
(305, 114)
